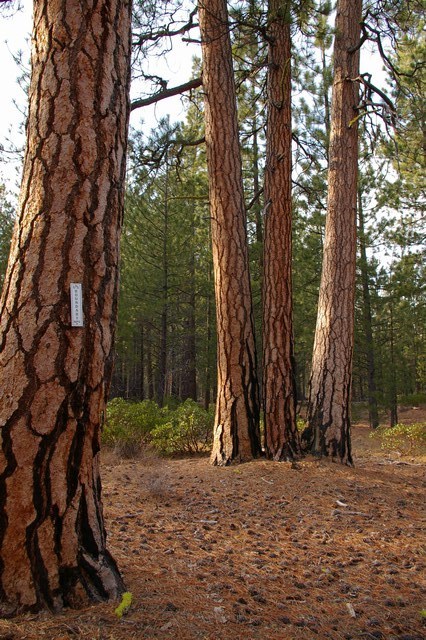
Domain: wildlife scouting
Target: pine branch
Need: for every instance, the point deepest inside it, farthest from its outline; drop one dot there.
(166, 93)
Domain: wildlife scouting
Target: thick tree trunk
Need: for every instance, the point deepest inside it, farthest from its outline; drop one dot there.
(279, 386)
(328, 431)
(236, 431)
(54, 377)
(209, 345)
(259, 232)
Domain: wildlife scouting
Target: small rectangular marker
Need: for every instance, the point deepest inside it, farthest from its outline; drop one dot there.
(76, 294)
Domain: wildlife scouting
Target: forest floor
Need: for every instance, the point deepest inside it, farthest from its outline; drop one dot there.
(263, 550)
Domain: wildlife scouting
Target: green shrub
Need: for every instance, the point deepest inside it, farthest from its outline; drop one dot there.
(171, 402)
(412, 399)
(408, 439)
(128, 424)
(187, 430)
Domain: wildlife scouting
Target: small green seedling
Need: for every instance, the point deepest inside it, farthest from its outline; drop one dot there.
(124, 606)
(423, 614)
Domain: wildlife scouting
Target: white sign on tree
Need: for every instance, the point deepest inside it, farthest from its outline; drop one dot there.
(76, 294)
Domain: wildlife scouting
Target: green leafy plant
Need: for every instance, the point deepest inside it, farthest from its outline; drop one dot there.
(188, 430)
(408, 439)
(128, 424)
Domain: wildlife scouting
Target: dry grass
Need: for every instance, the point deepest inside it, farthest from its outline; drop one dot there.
(260, 551)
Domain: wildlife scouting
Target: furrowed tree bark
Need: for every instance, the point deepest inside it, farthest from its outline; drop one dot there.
(236, 430)
(328, 430)
(279, 385)
(54, 377)
(209, 346)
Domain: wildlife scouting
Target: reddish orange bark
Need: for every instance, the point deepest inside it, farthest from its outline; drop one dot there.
(236, 430)
(54, 377)
(328, 431)
(279, 388)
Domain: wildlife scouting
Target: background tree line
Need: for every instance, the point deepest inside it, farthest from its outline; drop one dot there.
(166, 334)
(166, 347)
(167, 321)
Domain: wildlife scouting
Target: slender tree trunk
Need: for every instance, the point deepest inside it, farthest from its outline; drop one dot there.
(324, 70)
(173, 375)
(393, 398)
(328, 431)
(256, 190)
(162, 362)
(189, 370)
(55, 376)
(279, 386)
(127, 379)
(142, 362)
(368, 323)
(236, 430)
(149, 367)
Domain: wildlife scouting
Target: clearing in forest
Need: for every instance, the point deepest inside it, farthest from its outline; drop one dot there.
(263, 550)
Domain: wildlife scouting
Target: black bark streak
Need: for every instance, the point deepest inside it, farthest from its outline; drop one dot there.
(251, 399)
(78, 395)
(234, 433)
(7, 448)
(42, 501)
(237, 405)
(328, 431)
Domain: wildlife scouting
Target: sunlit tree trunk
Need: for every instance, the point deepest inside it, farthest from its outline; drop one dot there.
(279, 387)
(328, 431)
(209, 345)
(236, 430)
(54, 377)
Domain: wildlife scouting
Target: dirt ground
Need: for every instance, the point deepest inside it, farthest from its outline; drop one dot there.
(263, 550)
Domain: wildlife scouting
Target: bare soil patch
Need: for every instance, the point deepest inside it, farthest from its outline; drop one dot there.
(263, 550)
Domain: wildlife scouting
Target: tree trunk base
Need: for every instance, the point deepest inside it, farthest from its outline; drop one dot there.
(95, 580)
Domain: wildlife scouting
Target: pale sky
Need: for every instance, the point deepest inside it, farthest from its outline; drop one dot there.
(15, 29)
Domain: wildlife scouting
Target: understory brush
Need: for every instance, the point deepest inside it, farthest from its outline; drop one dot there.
(406, 439)
(131, 427)
(412, 399)
(188, 429)
(128, 425)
